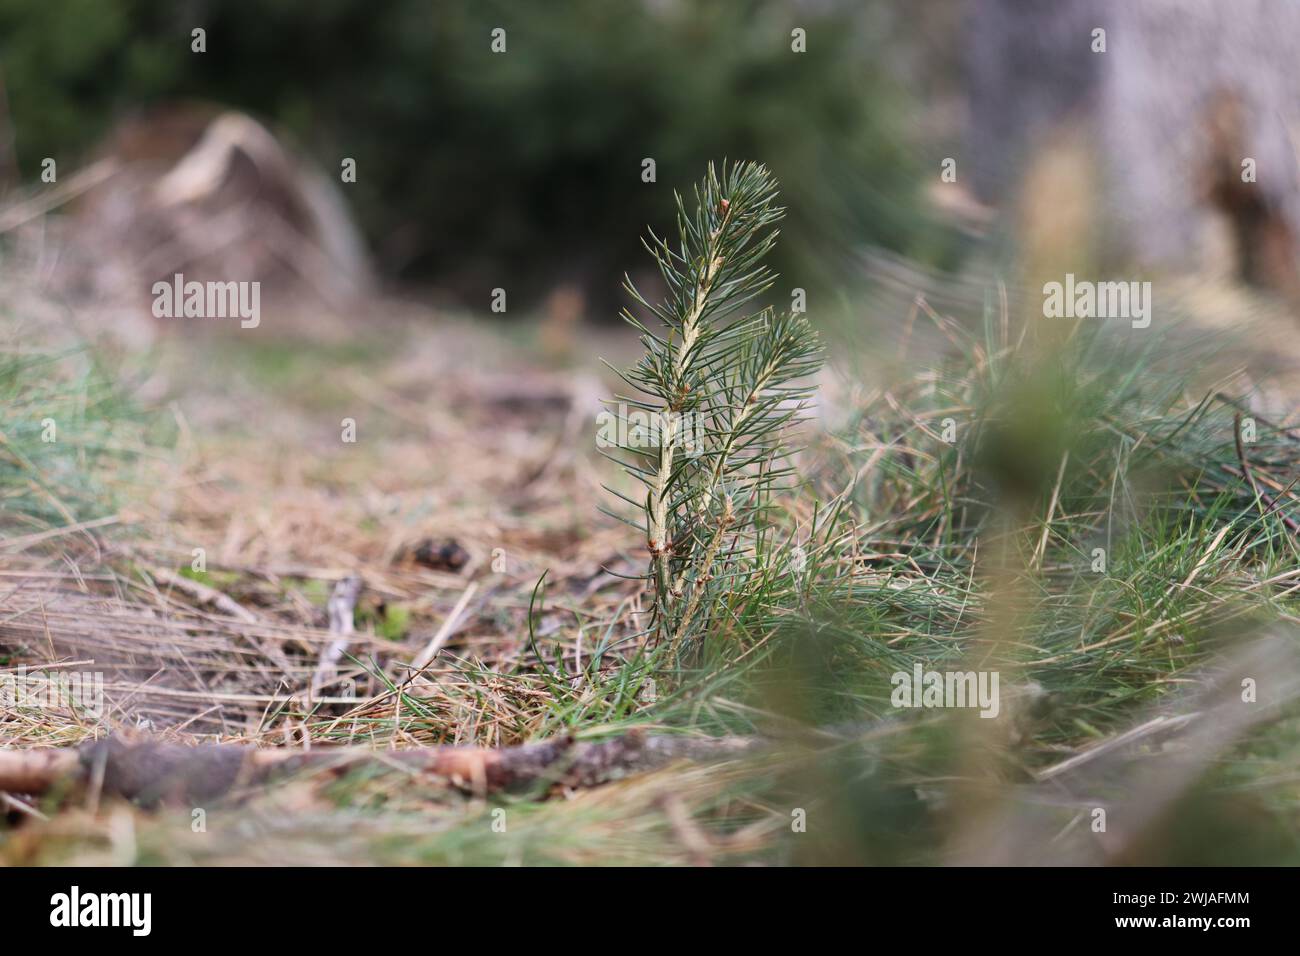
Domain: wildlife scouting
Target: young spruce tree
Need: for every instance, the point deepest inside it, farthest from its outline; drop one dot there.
(720, 385)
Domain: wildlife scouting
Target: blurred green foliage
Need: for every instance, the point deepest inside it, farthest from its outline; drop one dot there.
(519, 169)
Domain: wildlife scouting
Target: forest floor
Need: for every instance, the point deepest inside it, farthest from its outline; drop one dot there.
(449, 464)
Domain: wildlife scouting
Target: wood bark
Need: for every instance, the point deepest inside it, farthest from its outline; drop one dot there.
(155, 772)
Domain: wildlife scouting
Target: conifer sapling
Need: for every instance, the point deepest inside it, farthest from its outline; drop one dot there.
(722, 385)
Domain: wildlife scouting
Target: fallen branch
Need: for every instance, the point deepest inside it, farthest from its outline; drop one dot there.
(426, 656)
(152, 772)
(342, 606)
(205, 595)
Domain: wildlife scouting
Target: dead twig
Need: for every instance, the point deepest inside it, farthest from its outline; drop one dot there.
(205, 595)
(423, 659)
(152, 772)
(342, 605)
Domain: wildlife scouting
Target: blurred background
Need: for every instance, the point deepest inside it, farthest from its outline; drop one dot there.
(477, 169)
(400, 145)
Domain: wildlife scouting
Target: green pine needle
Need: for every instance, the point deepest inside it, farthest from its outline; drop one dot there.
(721, 386)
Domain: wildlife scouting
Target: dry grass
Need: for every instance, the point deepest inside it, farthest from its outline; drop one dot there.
(474, 471)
